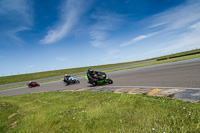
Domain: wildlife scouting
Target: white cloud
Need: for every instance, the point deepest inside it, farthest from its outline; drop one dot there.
(196, 26)
(139, 38)
(17, 9)
(70, 14)
(178, 21)
(31, 66)
(105, 22)
(174, 30)
(15, 16)
(185, 41)
(111, 54)
(188, 40)
(177, 17)
(157, 24)
(60, 59)
(98, 38)
(184, 22)
(12, 34)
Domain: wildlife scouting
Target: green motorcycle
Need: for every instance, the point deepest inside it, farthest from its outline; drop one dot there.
(100, 79)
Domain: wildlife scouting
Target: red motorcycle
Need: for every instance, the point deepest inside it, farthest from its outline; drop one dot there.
(33, 84)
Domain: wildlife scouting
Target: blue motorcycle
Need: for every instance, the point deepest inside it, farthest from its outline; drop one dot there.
(71, 80)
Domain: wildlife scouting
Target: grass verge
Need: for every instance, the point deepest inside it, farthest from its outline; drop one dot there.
(156, 62)
(97, 112)
(186, 53)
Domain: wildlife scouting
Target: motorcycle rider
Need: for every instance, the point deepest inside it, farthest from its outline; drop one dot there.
(32, 83)
(92, 76)
(97, 77)
(91, 73)
(66, 77)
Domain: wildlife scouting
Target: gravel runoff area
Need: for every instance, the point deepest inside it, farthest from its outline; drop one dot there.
(75, 74)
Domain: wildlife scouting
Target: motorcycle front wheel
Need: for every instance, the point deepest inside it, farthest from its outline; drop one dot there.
(110, 81)
(29, 86)
(94, 83)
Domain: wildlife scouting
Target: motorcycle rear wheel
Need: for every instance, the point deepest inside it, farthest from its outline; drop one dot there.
(68, 83)
(94, 83)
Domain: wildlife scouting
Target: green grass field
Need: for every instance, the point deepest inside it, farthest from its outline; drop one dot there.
(180, 54)
(97, 112)
(157, 62)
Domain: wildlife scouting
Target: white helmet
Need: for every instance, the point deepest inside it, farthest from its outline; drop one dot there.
(30, 81)
(66, 74)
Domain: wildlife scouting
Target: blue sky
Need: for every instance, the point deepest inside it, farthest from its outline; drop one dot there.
(42, 35)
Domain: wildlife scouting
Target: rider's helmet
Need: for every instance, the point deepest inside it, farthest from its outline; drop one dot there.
(30, 81)
(90, 71)
(66, 74)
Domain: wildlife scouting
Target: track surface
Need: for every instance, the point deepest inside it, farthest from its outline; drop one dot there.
(184, 74)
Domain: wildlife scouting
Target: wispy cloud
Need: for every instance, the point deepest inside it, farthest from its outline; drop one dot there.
(60, 59)
(11, 35)
(15, 16)
(70, 13)
(177, 17)
(186, 41)
(104, 23)
(17, 10)
(157, 24)
(31, 66)
(98, 38)
(196, 26)
(182, 21)
(111, 54)
(139, 38)
(175, 21)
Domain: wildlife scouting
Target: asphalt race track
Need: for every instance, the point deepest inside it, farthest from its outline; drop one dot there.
(183, 74)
